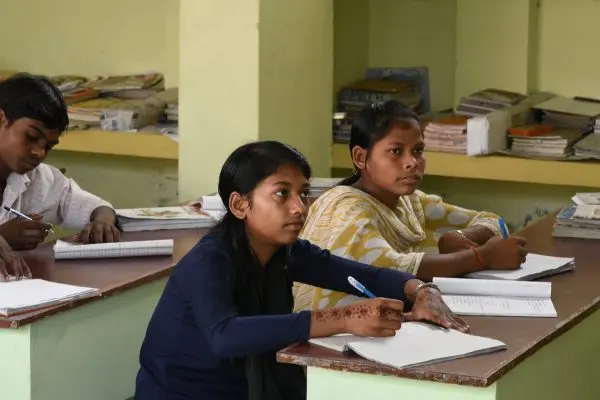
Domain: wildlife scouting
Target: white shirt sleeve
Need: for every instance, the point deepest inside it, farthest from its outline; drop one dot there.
(58, 199)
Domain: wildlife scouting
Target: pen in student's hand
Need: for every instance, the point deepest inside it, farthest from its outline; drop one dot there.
(360, 287)
(21, 215)
(503, 229)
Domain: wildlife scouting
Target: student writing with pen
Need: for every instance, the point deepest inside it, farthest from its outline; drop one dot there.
(33, 116)
(227, 307)
(378, 215)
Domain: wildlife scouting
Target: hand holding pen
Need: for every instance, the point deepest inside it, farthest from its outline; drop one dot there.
(24, 232)
(506, 252)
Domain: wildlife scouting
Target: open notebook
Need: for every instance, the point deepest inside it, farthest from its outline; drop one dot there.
(415, 344)
(31, 294)
(158, 218)
(64, 250)
(497, 298)
(537, 266)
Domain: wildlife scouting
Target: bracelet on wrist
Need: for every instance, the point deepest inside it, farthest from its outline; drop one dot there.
(425, 285)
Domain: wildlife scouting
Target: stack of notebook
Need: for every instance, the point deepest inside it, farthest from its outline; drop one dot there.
(544, 141)
(447, 134)
(588, 147)
(159, 218)
(144, 248)
(569, 113)
(535, 267)
(20, 296)
(368, 92)
(486, 101)
(578, 221)
(413, 345)
(498, 298)
(73, 88)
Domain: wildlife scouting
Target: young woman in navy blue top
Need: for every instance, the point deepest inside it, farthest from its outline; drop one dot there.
(226, 309)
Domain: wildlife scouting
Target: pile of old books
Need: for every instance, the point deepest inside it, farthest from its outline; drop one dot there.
(486, 101)
(447, 134)
(370, 92)
(581, 220)
(543, 141)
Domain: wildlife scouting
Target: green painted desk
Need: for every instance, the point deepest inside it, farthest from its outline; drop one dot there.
(86, 349)
(548, 359)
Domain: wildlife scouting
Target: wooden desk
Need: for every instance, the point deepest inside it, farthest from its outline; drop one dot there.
(87, 349)
(546, 358)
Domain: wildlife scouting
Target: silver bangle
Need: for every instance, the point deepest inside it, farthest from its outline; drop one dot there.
(462, 234)
(424, 285)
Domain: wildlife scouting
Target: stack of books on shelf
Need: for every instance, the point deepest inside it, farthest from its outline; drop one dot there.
(581, 220)
(567, 112)
(486, 101)
(588, 147)
(117, 102)
(74, 88)
(370, 92)
(543, 141)
(447, 134)
(126, 102)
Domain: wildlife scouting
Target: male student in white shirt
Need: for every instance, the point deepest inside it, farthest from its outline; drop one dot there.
(33, 116)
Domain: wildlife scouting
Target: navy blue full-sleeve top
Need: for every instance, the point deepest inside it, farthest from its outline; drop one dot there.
(195, 330)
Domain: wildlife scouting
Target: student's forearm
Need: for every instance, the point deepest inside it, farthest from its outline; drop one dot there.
(451, 265)
(103, 214)
(478, 234)
(327, 322)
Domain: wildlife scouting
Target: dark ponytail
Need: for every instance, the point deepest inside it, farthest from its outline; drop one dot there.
(256, 291)
(372, 124)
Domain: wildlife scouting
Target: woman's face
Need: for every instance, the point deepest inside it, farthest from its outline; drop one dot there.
(278, 207)
(396, 163)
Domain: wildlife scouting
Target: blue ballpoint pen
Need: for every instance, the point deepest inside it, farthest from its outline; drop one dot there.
(503, 229)
(360, 287)
(21, 215)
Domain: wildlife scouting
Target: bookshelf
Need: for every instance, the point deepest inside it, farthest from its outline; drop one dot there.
(497, 168)
(128, 144)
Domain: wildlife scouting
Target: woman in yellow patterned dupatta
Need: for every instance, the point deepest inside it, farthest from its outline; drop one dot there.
(378, 216)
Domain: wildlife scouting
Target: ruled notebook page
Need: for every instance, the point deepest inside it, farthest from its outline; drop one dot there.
(64, 250)
(414, 344)
(26, 294)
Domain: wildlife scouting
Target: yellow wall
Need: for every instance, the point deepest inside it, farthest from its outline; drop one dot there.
(469, 45)
(494, 47)
(568, 56)
(350, 41)
(52, 37)
(416, 33)
(397, 33)
(296, 77)
(252, 70)
(218, 101)
(124, 181)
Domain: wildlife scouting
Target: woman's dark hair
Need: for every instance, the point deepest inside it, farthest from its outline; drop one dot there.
(256, 289)
(29, 96)
(372, 124)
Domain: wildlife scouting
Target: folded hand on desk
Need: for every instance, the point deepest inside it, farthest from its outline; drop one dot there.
(101, 228)
(430, 307)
